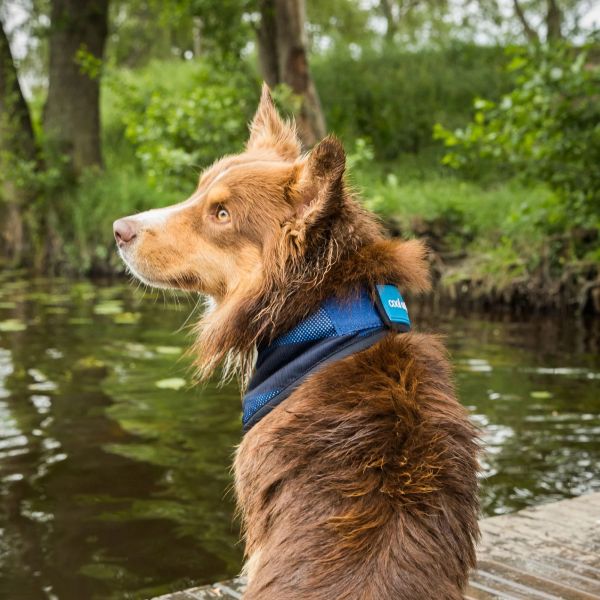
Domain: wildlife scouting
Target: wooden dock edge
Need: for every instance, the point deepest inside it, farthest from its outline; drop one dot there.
(548, 552)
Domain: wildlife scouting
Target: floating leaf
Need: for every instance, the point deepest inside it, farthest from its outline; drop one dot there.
(83, 290)
(174, 383)
(168, 350)
(127, 318)
(11, 325)
(8, 305)
(90, 364)
(138, 350)
(541, 395)
(110, 307)
(80, 321)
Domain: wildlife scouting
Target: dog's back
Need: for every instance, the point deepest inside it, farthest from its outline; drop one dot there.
(363, 484)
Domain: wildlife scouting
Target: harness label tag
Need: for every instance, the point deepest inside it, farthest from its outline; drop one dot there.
(392, 307)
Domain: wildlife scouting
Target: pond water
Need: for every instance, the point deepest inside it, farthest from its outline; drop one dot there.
(114, 471)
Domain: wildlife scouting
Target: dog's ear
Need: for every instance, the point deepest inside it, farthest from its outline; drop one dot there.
(321, 184)
(269, 131)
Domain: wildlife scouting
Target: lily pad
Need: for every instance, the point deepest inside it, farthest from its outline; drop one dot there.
(172, 350)
(91, 365)
(80, 321)
(127, 318)
(88, 362)
(8, 304)
(174, 383)
(541, 395)
(11, 325)
(109, 307)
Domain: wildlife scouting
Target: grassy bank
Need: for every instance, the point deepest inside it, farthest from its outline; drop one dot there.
(501, 243)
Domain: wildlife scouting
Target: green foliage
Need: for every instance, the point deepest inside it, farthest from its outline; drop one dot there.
(474, 211)
(89, 210)
(225, 28)
(361, 156)
(181, 123)
(393, 97)
(163, 29)
(546, 129)
(89, 64)
(340, 22)
(503, 228)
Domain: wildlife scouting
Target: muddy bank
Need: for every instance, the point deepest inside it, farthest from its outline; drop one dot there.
(558, 283)
(575, 290)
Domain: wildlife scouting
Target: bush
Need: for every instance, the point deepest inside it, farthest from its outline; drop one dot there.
(394, 97)
(183, 122)
(546, 129)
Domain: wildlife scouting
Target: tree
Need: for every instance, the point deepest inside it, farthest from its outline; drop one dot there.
(551, 18)
(388, 13)
(530, 33)
(17, 149)
(72, 114)
(546, 129)
(282, 50)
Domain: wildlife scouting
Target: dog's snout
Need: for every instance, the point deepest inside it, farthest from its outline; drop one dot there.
(124, 230)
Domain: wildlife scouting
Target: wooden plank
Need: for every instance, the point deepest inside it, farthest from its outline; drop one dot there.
(548, 568)
(548, 552)
(228, 590)
(550, 588)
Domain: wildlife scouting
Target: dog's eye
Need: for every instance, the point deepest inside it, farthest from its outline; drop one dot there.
(222, 214)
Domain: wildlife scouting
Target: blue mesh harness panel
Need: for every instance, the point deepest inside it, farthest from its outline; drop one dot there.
(338, 328)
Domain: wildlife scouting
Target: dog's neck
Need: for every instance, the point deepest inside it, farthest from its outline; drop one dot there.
(338, 328)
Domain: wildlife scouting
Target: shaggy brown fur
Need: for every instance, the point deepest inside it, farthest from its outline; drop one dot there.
(362, 485)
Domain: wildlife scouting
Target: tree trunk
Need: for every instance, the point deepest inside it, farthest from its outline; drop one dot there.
(530, 33)
(17, 147)
(388, 13)
(72, 113)
(197, 27)
(267, 43)
(283, 59)
(553, 22)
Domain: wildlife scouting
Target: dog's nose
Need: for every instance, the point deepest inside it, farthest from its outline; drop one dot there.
(124, 230)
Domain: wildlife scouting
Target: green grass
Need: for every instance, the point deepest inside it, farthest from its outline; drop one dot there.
(501, 208)
(504, 230)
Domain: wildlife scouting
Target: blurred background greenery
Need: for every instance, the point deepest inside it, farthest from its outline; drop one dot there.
(473, 123)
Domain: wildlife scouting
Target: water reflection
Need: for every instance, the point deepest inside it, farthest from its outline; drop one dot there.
(115, 470)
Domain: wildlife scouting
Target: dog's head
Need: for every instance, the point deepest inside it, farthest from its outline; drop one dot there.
(268, 234)
(217, 241)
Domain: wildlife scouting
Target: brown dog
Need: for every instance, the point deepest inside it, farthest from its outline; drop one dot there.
(362, 483)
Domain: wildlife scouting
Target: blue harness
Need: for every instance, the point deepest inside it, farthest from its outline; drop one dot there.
(338, 328)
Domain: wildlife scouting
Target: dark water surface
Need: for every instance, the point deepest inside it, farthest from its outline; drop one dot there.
(115, 473)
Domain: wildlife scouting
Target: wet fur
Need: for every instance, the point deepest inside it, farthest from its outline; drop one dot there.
(362, 485)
